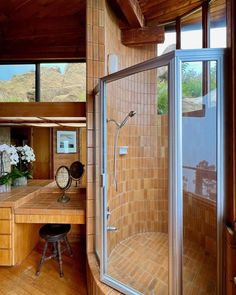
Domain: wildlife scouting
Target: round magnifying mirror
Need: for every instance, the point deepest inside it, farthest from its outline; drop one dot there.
(63, 181)
(76, 170)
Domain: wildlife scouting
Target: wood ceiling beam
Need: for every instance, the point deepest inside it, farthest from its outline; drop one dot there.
(43, 109)
(132, 12)
(143, 36)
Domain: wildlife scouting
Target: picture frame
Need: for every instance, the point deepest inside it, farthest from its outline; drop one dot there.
(66, 142)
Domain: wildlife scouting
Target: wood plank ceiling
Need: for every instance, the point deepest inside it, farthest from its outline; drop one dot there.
(42, 29)
(143, 21)
(163, 11)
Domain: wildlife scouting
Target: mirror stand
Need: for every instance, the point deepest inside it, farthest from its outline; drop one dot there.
(63, 198)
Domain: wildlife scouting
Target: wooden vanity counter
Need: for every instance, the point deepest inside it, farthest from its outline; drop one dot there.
(44, 208)
(25, 209)
(19, 195)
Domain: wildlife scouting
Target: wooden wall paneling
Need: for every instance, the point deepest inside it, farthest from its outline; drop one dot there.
(41, 147)
(62, 158)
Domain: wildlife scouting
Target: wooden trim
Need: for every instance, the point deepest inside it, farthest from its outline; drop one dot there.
(143, 36)
(178, 32)
(45, 218)
(132, 12)
(205, 25)
(43, 109)
(230, 116)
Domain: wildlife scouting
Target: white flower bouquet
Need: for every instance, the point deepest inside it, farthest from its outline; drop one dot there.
(11, 153)
(26, 157)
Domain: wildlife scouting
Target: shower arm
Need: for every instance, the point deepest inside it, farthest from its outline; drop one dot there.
(114, 121)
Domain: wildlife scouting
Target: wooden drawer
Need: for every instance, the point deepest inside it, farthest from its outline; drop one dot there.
(5, 213)
(5, 241)
(5, 257)
(5, 227)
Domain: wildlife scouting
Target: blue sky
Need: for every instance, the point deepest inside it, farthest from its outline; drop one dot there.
(7, 71)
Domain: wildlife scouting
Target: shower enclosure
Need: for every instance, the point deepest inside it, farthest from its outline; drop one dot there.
(159, 178)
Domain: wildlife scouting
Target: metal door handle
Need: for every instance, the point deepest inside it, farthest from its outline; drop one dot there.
(112, 228)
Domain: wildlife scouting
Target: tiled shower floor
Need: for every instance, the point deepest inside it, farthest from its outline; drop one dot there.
(141, 262)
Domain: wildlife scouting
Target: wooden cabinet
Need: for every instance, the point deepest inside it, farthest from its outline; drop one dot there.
(6, 255)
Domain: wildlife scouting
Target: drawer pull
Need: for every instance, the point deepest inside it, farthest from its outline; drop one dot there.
(234, 279)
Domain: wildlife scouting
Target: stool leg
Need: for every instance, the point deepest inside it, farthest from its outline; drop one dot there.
(42, 259)
(68, 246)
(54, 250)
(59, 258)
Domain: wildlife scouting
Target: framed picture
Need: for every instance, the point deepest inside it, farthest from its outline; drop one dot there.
(66, 142)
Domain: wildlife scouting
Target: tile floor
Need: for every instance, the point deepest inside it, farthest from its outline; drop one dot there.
(141, 262)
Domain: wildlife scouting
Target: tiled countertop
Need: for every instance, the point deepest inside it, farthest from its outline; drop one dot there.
(46, 203)
(40, 197)
(19, 195)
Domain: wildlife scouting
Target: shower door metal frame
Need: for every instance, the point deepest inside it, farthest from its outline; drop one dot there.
(173, 61)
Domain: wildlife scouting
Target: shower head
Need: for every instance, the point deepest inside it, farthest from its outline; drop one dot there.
(132, 113)
(129, 115)
(122, 123)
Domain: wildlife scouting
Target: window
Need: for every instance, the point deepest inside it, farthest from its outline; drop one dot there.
(170, 41)
(191, 30)
(17, 83)
(46, 82)
(218, 24)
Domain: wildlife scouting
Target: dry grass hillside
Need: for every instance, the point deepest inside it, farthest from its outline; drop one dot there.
(55, 85)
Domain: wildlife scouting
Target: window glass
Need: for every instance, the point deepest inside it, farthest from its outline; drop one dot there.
(169, 43)
(17, 83)
(218, 24)
(62, 82)
(191, 30)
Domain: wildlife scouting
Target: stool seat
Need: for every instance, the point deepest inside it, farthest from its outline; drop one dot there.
(54, 234)
(51, 232)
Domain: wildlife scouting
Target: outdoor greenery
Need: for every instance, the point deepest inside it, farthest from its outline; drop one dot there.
(191, 84)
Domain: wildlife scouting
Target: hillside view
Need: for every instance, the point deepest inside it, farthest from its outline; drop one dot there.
(65, 82)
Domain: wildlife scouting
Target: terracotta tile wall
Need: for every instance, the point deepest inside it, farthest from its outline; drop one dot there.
(95, 62)
(103, 37)
(140, 204)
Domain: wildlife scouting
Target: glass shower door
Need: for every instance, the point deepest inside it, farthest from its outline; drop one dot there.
(135, 223)
(158, 161)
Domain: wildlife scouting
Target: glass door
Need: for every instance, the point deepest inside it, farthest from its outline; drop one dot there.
(150, 171)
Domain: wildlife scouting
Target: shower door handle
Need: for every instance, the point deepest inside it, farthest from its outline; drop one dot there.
(112, 228)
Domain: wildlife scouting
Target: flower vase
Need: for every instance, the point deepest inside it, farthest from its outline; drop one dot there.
(20, 181)
(5, 188)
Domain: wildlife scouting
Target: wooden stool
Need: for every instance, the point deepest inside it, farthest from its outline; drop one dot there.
(55, 234)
